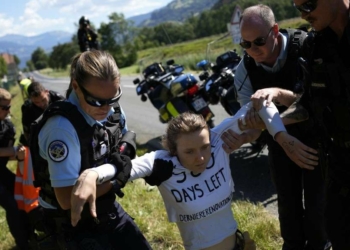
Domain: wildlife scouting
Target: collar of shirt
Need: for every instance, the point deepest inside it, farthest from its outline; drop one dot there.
(281, 59)
(73, 98)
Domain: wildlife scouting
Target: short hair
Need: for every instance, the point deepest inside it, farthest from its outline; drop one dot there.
(184, 123)
(5, 95)
(93, 64)
(35, 89)
(262, 11)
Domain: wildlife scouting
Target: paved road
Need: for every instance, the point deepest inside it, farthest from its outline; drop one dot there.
(249, 170)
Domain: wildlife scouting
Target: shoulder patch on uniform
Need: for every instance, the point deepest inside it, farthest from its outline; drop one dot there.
(58, 151)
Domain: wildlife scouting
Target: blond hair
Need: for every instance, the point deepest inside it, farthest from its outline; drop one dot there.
(93, 64)
(5, 95)
(183, 124)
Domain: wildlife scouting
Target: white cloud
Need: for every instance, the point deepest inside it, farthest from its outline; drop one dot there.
(40, 16)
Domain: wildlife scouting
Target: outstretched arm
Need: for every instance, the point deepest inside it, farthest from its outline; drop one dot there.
(302, 155)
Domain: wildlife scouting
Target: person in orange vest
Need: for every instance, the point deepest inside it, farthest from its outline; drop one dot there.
(26, 195)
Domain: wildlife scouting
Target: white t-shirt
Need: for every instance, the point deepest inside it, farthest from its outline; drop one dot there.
(199, 204)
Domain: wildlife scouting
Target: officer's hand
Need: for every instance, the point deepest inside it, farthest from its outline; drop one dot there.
(232, 140)
(83, 191)
(268, 94)
(21, 153)
(123, 165)
(300, 154)
(251, 120)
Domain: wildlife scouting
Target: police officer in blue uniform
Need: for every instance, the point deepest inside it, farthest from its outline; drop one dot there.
(82, 136)
(7, 177)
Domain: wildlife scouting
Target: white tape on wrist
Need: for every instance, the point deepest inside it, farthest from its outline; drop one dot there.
(105, 172)
(272, 119)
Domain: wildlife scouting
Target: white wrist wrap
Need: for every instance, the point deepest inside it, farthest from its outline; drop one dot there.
(105, 172)
(272, 119)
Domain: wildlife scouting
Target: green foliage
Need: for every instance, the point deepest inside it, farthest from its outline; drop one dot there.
(62, 54)
(117, 38)
(30, 65)
(17, 60)
(208, 23)
(3, 67)
(39, 59)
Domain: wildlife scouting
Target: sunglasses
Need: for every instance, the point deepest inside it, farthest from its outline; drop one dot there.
(98, 102)
(5, 108)
(307, 7)
(260, 41)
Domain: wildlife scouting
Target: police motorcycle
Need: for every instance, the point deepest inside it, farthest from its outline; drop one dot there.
(172, 92)
(218, 80)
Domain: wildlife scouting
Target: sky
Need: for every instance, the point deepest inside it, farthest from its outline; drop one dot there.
(34, 17)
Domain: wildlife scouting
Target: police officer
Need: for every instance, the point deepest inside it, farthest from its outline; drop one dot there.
(39, 100)
(82, 136)
(268, 72)
(87, 38)
(327, 98)
(7, 177)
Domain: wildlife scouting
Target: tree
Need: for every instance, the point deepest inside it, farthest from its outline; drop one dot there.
(30, 65)
(39, 59)
(3, 67)
(17, 60)
(117, 38)
(62, 54)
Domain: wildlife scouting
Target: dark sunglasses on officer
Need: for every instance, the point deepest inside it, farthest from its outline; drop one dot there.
(260, 41)
(5, 107)
(307, 7)
(98, 102)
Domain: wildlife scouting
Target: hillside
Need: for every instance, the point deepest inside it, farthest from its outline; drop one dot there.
(178, 10)
(23, 46)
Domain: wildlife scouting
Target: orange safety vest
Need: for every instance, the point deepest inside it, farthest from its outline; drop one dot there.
(26, 195)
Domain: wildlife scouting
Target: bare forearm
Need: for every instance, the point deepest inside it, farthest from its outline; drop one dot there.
(286, 97)
(8, 152)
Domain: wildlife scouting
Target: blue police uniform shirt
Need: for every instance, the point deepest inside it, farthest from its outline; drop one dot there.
(59, 145)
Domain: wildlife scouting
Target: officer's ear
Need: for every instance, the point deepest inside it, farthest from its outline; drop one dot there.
(74, 85)
(275, 29)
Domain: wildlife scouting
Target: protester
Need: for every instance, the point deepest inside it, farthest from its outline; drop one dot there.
(194, 178)
(327, 97)
(7, 177)
(268, 71)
